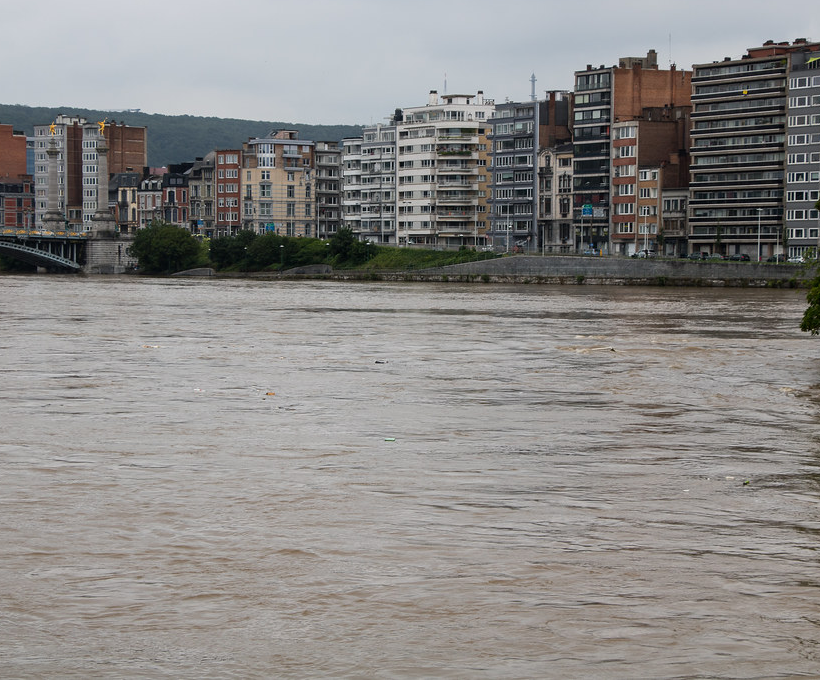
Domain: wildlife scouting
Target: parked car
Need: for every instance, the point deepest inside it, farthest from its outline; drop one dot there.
(797, 259)
(716, 256)
(740, 257)
(780, 257)
(645, 253)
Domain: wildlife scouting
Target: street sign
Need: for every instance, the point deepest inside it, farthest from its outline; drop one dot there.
(586, 210)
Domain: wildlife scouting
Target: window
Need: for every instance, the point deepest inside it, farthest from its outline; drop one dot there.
(799, 121)
(627, 132)
(291, 191)
(626, 190)
(626, 152)
(801, 215)
(626, 228)
(803, 140)
(798, 158)
(624, 208)
(792, 177)
(291, 209)
(812, 196)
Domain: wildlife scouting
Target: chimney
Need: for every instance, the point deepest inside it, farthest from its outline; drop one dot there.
(433, 100)
(480, 98)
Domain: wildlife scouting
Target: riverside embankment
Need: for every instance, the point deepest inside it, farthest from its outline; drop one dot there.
(566, 270)
(573, 270)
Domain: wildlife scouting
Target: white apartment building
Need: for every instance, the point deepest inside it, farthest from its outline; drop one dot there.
(352, 184)
(419, 180)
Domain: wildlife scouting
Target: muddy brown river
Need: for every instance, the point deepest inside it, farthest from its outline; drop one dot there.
(238, 479)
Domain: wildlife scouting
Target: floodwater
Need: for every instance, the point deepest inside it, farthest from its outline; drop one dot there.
(239, 479)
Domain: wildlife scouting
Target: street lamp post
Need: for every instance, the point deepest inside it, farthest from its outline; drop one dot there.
(759, 210)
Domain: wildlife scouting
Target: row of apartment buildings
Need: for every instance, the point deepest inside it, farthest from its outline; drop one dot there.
(721, 159)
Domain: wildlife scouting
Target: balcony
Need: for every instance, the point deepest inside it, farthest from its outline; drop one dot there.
(456, 214)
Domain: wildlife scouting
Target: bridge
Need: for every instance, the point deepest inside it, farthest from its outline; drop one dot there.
(61, 251)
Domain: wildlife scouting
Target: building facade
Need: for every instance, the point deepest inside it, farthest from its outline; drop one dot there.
(12, 153)
(280, 185)
(76, 141)
(649, 156)
(352, 183)
(555, 199)
(802, 225)
(754, 164)
(602, 97)
(422, 179)
(228, 192)
(175, 195)
(377, 205)
(123, 190)
(201, 196)
(519, 130)
(328, 188)
(16, 204)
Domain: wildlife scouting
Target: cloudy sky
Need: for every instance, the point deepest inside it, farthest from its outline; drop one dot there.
(353, 61)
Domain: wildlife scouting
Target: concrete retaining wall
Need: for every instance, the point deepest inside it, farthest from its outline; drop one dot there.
(632, 271)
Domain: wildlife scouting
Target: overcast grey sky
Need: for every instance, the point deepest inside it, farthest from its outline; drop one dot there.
(353, 61)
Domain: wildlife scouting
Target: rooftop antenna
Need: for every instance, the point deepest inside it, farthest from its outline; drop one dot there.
(532, 93)
(445, 82)
(670, 50)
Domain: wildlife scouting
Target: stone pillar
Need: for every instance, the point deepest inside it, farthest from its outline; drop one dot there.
(53, 220)
(103, 220)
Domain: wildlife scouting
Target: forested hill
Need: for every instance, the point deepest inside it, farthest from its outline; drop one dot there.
(177, 139)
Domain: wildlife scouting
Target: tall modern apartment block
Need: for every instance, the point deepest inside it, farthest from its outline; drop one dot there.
(378, 184)
(754, 152)
(518, 131)
(602, 97)
(441, 148)
(328, 188)
(76, 140)
(352, 184)
(803, 153)
(421, 180)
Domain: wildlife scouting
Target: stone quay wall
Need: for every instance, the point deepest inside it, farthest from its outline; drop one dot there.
(574, 270)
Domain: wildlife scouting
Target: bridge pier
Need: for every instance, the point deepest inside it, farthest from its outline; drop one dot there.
(107, 253)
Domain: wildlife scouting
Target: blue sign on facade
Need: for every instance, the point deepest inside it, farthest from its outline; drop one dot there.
(586, 210)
